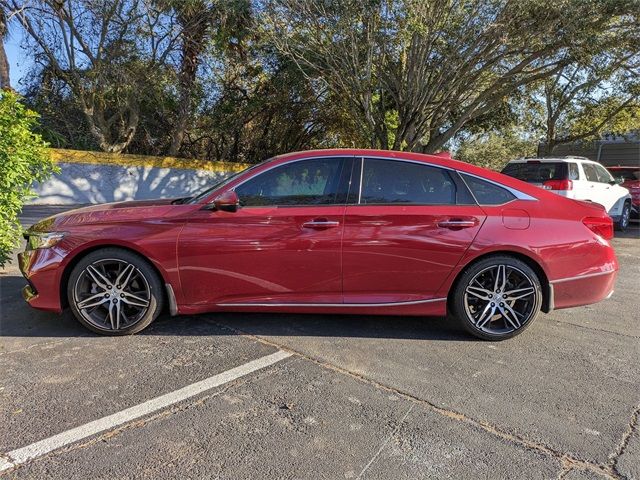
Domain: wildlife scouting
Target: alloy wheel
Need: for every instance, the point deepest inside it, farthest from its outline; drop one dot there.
(501, 299)
(112, 294)
(626, 215)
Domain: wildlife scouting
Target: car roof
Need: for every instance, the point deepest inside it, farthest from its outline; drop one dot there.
(553, 159)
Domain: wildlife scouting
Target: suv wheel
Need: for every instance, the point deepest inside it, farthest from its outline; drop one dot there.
(623, 223)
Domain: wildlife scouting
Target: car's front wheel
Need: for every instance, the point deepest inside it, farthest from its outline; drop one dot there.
(497, 298)
(114, 292)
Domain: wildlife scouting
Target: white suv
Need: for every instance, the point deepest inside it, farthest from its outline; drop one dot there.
(576, 177)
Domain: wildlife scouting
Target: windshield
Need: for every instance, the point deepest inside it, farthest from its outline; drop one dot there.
(537, 172)
(205, 193)
(626, 173)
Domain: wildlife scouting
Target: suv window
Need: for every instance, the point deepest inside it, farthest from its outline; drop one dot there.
(487, 193)
(304, 182)
(603, 174)
(574, 173)
(590, 172)
(536, 171)
(394, 181)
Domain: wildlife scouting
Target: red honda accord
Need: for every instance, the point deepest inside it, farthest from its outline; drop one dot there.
(329, 231)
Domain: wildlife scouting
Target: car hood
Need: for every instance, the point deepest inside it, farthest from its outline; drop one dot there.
(105, 213)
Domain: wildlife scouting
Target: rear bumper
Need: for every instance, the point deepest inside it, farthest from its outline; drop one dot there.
(584, 289)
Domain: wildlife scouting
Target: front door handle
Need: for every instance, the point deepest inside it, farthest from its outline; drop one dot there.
(319, 223)
(455, 223)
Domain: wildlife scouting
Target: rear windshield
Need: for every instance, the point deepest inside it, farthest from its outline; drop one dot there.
(626, 173)
(537, 172)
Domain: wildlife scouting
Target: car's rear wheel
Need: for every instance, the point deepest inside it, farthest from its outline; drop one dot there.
(497, 298)
(114, 292)
(625, 216)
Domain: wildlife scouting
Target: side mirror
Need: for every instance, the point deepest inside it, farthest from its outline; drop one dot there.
(617, 181)
(227, 201)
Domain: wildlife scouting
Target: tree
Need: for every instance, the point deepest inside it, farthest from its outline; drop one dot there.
(202, 22)
(494, 149)
(105, 51)
(5, 79)
(585, 99)
(422, 70)
(24, 159)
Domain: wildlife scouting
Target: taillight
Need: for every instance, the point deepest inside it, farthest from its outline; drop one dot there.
(558, 185)
(602, 226)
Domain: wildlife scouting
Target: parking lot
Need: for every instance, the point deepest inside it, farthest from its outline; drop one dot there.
(350, 397)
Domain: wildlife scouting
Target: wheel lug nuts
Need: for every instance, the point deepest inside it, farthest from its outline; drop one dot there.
(122, 295)
(115, 300)
(493, 304)
(108, 287)
(501, 304)
(490, 296)
(106, 295)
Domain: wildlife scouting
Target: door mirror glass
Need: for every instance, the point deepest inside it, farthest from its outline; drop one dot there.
(227, 201)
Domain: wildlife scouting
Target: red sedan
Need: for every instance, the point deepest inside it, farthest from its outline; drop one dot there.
(331, 231)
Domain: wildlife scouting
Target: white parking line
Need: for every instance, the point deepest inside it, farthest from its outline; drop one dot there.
(42, 447)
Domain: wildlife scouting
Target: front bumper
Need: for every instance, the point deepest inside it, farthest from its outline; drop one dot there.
(41, 270)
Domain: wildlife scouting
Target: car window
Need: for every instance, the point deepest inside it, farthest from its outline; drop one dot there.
(574, 173)
(603, 174)
(536, 171)
(393, 181)
(590, 172)
(626, 173)
(304, 182)
(487, 193)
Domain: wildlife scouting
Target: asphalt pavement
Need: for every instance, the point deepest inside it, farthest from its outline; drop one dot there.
(350, 397)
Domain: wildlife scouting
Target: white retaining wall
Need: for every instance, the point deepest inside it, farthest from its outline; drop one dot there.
(79, 183)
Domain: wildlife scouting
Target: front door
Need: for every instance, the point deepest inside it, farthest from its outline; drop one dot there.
(281, 246)
(408, 229)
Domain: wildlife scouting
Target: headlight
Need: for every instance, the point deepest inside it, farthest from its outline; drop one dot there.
(43, 240)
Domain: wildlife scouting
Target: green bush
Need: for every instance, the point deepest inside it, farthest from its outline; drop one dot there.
(24, 159)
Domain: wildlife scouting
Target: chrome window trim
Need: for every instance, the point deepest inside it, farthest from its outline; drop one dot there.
(361, 305)
(516, 193)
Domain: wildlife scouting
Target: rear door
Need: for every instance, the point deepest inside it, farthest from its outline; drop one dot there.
(406, 227)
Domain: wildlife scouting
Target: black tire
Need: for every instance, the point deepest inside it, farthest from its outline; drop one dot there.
(623, 223)
(127, 310)
(469, 309)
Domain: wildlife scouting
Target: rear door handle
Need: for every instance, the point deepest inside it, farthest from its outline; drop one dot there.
(320, 223)
(454, 223)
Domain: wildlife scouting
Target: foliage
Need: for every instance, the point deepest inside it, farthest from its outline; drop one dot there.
(24, 159)
(439, 65)
(599, 92)
(494, 150)
(243, 80)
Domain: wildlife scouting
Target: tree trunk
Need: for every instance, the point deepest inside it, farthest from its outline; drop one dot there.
(5, 79)
(195, 25)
